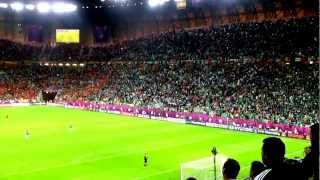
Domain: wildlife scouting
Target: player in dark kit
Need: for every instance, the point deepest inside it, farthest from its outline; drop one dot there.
(145, 160)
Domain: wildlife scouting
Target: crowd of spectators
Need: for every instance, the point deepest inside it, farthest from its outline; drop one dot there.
(294, 38)
(262, 90)
(279, 39)
(26, 84)
(15, 51)
(234, 71)
(186, 71)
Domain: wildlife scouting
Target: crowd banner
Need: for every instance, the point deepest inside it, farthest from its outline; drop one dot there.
(247, 125)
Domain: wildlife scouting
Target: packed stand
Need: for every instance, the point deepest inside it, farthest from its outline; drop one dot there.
(16, 86)
(26, 84)
(263, 90)
(266, 40)
(294, 38)
(10, 51)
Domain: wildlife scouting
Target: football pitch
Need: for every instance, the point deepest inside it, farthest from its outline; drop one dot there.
(77, 144)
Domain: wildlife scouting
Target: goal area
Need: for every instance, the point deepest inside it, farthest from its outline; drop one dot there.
(203, 169)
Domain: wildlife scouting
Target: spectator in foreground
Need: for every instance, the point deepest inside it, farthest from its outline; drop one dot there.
(256, 168)
(311, 160)
(273, 151)
(307, 150)
(230, 169)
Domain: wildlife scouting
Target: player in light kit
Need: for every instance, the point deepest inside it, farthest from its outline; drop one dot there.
(27, 134)
(71, 128)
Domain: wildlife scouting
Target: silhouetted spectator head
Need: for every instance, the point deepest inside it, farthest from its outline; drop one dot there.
(256, 168)
(292, 169)
(314, 136)
(311, 160)
(230, 169)
(273, 150)
(307, 150)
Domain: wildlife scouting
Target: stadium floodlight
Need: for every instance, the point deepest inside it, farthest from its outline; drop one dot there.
(30, 7)
(70, 7)
(61, 7)
(46, 64)
(161, 2)
(60, 64)
(74, 64)
(58, 7)
(4, 5)
(154, 3)
(120, 1)
(81, 64)
(43, 7)
(17, 6)
(67, 64)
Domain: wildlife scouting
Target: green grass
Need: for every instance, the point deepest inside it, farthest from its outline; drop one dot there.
(107, 146)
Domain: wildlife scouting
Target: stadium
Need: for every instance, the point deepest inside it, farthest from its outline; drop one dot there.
(159, 89)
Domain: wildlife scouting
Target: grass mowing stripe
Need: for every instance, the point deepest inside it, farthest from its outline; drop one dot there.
(105, 158)
(121, 139)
